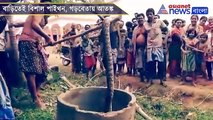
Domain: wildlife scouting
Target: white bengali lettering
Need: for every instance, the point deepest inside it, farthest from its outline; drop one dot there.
(111, 8)
(30, 8)
(64, 9)
(99, 8)
(23, 7)
(6, 8)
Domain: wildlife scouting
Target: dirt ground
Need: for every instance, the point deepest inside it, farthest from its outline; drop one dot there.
(200, 96)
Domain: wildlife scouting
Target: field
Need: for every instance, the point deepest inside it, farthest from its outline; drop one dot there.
(175, 102)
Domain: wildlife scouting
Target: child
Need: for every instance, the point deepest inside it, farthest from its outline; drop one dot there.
(121, 51)
(188, 55)
(165, 37)
(88, 53)
(202, 46)
(130, 62)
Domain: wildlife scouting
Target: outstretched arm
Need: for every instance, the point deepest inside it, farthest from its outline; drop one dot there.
(37, 28)
(17, 24)
(182, 49)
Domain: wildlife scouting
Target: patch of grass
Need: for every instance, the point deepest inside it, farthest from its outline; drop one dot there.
(36, 114)
(161, 109)
(53, 87)
(204, 115)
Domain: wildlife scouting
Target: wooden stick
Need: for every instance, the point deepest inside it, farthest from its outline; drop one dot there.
(142, 113)
(208, 96)
(75, 36)
(97, 74)
(138, 108)
(70, 85)
(84, 33)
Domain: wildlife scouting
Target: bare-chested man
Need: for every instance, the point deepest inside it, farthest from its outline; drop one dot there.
(139, 42)
(32, 61)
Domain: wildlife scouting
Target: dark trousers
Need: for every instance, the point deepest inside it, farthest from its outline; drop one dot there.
(76, 59)
(151, 70)
(209, 69)
(198, 61)
(4, 69)
(164, 66)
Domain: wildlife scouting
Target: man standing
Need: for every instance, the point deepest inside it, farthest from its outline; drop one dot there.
(139, 42)
(75, 50)
(32, 61)
(154, 46)
(135, 23)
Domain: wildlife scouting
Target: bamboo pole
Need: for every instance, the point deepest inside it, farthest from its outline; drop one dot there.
(138, 108)
(84, 33)
(75, 36)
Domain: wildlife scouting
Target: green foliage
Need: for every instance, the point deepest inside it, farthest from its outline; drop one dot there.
(204, 115)
(54, 86)
(161, 109)
(35, 114)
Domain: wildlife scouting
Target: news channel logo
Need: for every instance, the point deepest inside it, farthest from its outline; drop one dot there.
(183, 9)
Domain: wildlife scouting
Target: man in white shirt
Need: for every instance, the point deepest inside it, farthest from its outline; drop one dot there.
(154, 45)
